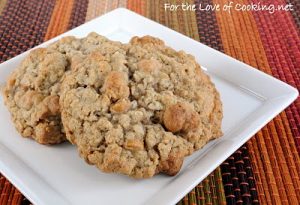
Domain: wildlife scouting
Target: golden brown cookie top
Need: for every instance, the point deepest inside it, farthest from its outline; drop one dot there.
(33, 89)
(146, 40)
(32, 95)
(140, 108)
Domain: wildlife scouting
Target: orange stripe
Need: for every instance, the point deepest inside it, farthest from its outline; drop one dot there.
(60, 18)
(130, 5)
(139, 6)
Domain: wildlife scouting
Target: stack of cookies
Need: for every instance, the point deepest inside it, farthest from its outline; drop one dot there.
(136, 109)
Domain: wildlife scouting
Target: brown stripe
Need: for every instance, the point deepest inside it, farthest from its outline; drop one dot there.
(208, 27)
(23, 25)
(60, 18)
(296, 11)
(238, 178)
(78, 13)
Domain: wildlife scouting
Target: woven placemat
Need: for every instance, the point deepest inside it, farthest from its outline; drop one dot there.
(266, 169)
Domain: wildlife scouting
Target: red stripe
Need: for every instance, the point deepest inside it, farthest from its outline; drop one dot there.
(78, 13)
(208, 27)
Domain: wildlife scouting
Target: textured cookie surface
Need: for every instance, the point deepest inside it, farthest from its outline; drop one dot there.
(140, 108)
(33, 89)
(31, 95)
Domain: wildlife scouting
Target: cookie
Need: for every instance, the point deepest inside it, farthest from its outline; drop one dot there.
(138, 109)
(32, 96)
(32, 91)
(75, 49)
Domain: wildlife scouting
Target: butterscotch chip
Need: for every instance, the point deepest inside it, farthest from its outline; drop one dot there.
(141, 109)
(121, 106)
(180, 117)
(115, 85)
(146, 40)
(149, 65)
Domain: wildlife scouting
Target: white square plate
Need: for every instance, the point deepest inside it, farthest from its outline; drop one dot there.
(56, 175)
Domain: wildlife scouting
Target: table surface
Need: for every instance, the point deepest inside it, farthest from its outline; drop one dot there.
(266, 169)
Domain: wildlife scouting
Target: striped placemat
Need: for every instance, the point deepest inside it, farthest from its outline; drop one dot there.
(266, 169)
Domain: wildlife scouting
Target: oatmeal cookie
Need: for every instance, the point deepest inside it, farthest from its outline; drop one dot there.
(32, 91)
(31, 94)
(140, 108)
(76, 49)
